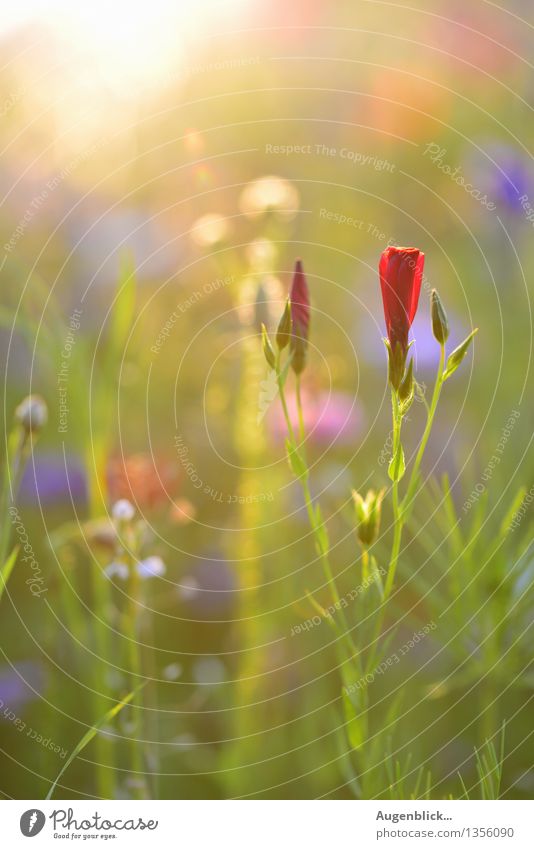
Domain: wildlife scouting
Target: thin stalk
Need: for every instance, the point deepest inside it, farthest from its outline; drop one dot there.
(312, 519)
(302, 432)
(400, 511)
(398, 524)
(407, 500)
(134, 662)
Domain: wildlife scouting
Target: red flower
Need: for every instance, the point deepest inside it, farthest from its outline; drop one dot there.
(401, 273)
(300, 302)
(300, 315)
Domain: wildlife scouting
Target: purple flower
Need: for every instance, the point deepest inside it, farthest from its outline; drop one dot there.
(18, 684)
(504, 172)
(51, 478)
(329, 417)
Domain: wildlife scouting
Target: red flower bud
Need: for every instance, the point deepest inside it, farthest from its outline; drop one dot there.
(300, 314)
(401, 273)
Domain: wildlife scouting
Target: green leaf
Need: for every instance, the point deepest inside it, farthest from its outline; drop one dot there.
(7, 568)
(88, 736)
(514, 507)
(297, 464)
(397, 466)
(355, 723)
(457, 355)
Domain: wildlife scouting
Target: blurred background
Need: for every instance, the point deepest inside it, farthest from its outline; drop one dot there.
(162, 167)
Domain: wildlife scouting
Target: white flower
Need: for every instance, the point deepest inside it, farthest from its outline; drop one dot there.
(173, 671)
(151, 567)
(117, 569)
(123, 510)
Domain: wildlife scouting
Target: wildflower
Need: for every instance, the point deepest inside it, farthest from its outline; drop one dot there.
(117, 569)
(123, 510)
(300, 314)
(32, 414)
(283, 333)
(401, 273)
(267, 348)
(330, 418)
(144, 479)
(151, 567)
(368, 511)
(440, 325)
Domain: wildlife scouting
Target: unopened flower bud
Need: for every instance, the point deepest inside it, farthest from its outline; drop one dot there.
(267, 347)
(32, 414)
(440, 325)
(300, 312)
(283, 334)
(368, 511)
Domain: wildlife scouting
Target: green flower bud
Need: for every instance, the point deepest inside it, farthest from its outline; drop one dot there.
(368, 512)
(283, 334)
(440, 325)
(458, 354)
(267, 347)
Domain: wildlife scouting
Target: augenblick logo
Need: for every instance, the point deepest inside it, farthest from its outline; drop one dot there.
(65, 824)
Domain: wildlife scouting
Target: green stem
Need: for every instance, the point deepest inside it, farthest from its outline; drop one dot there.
(400, 509)
(351, 648)
(410, 492)
(398, 524)
(302, 432)
(131, 623)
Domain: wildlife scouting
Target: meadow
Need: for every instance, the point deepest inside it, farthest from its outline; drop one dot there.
(267, 475)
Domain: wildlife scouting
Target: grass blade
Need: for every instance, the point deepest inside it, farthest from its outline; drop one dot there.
(7, 568)
(88, 736)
